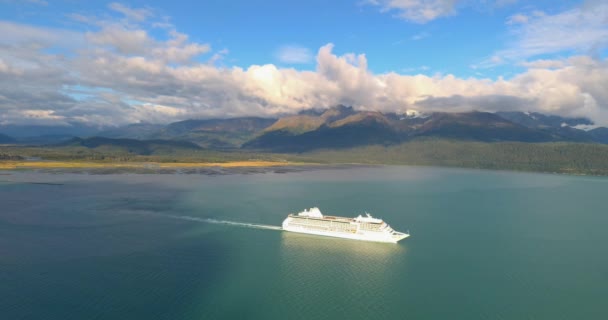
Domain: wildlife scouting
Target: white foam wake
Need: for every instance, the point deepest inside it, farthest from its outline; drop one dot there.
(226, 222)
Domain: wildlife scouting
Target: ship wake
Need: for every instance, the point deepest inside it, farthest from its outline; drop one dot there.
(232, 223)
(224, 222)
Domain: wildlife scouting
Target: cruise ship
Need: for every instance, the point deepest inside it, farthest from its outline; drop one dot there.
(367, 228)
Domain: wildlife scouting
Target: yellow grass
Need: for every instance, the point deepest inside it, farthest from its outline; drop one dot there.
(9, 165)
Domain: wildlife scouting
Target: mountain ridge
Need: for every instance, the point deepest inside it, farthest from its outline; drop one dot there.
(344, 127)
(360, 128)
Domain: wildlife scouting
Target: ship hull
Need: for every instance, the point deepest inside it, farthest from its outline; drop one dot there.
(352, 236)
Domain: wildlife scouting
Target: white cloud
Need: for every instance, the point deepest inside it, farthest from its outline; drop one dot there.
(178, 49)
(155, 113)
(218, 57)
(582, 29)
(41, 114)
(418, 11)
(162, 81)
(424, 11)
(16, 33)
(416, 69)
(139, 14)
(518, 19)
(544, 64)
(294, 54)
(134, 41)
(122, 39)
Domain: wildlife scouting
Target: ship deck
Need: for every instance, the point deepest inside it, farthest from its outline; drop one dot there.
(330, 218)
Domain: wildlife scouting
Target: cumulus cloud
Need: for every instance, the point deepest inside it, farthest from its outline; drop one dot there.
(122, 39)
(492, 102)
(179, 50)
(128, 37)
(19, 34)
(106, 81)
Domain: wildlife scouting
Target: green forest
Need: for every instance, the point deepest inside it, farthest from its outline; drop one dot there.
(554, 157)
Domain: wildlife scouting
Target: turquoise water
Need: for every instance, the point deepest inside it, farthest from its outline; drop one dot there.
(484, 245)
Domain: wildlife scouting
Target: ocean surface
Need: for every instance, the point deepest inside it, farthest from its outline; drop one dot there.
(484, 245)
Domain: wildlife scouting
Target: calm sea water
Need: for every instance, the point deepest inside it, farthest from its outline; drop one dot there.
(484, 245)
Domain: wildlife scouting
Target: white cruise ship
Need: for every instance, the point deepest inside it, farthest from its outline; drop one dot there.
(367, 228)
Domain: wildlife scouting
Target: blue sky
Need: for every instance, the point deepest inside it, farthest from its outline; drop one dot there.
(254, 31)
(107, 62)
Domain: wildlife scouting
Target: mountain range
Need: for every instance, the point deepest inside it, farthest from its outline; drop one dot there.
(342, 127)
(336, 127)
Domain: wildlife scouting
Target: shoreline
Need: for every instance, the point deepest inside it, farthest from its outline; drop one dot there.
(16, 165)
(200, 168)
(229, 167)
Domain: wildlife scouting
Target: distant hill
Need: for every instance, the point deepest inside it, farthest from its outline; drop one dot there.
(28, 131)
(140, 147)
(6, 139)
(561, 128)
(476, 126)
(133, 131)
(49, 139)
(540, 121)
(243, 124)
(599, 135)
(210, 133)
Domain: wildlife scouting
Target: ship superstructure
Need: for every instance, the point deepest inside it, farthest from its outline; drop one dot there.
(365, 228)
